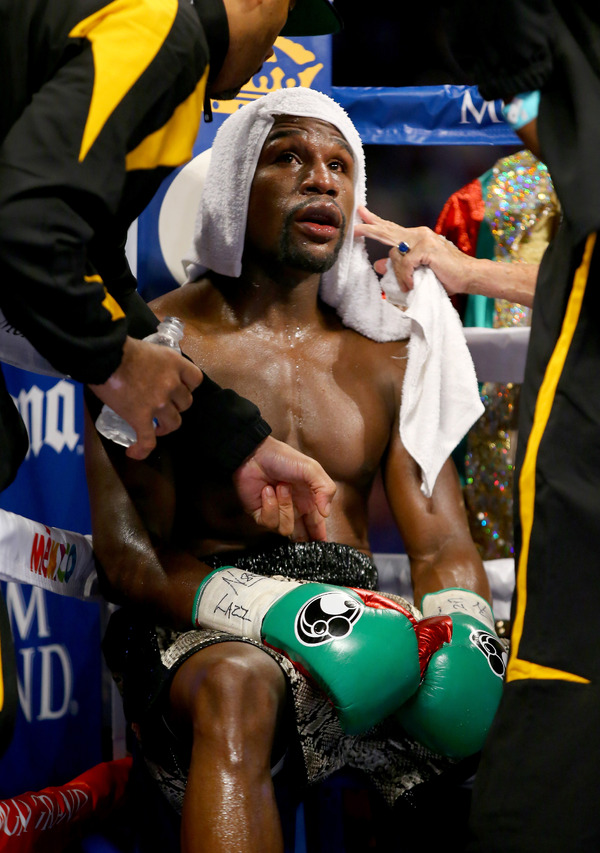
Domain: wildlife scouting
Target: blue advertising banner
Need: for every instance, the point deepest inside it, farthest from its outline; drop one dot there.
(57, 639)
(425, 115)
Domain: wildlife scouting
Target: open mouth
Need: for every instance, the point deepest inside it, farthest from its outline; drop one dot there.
(320, 221)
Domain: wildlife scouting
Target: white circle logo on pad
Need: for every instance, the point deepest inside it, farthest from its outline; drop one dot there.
(327, 617)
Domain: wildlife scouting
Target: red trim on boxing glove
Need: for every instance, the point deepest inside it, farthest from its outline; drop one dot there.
(380, 602)
(432, 633)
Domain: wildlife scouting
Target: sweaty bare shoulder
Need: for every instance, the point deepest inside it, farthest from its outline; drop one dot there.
(386, 363)
(188, 302)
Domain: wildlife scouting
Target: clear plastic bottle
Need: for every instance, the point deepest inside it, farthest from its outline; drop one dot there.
(109, 423)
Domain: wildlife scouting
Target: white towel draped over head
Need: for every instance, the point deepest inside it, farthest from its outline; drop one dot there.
(440, 398)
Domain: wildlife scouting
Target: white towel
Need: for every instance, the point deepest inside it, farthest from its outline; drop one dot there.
(440, 395)
(440, 398)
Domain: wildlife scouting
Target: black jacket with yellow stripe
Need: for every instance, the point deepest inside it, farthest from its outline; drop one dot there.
(99, 102)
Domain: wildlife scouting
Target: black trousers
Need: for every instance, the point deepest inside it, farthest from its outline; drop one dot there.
(538, 783)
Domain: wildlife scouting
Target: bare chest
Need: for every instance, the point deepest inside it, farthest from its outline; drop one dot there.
(322, 395)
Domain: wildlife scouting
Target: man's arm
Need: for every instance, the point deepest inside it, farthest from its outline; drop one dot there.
(462, 677)
(133, 511)
(434, 530)
(458, 272)
(75, 164)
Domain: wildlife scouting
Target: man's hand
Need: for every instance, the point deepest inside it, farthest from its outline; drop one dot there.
(285, 491)
(151, 383)
(427, 248)
(457, 271)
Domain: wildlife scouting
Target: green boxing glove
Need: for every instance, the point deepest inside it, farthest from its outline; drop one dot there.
(359, 647)
(453, 709)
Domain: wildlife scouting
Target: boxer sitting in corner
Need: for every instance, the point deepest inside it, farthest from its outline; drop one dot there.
(239, 651)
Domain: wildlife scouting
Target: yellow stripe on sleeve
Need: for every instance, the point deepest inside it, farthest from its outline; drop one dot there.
(173, 143)
(517, 668)
(109, 302)
(135, 29)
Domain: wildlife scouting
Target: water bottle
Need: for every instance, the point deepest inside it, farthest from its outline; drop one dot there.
(109, 423)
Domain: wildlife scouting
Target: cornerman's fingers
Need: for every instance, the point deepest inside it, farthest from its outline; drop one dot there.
(286, 509)
(313, 527)
(276, 510)
(145, 444)
(268, 513)
(167, 419)
(191, 376)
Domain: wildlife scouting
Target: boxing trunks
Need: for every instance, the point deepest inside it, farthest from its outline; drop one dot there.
(144, 658)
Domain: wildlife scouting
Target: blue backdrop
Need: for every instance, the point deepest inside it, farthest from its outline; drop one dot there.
(57, 639)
